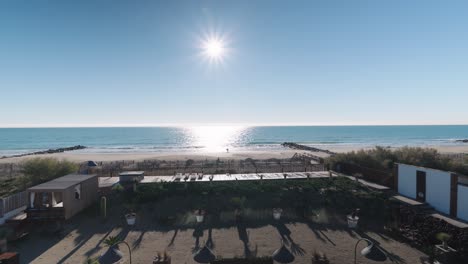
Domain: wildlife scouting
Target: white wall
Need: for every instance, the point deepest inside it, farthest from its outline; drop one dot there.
(438, 190)
(437, 185)
(407, 180)
(462, 202)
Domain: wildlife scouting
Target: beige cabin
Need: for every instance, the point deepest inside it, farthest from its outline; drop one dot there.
(62, 198)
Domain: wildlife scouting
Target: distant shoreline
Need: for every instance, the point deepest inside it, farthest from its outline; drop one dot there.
(282, 153)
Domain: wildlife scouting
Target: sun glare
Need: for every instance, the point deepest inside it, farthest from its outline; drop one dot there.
(214, 138)
(213, 48)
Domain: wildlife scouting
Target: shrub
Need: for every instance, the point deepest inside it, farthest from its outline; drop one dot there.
(39, 170)
(381, 158)
(111, 241)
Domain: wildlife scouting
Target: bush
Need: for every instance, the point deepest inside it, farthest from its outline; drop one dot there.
(383, 159)
(39, 170)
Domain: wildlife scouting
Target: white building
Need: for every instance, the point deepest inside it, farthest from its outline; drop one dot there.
(446, 191)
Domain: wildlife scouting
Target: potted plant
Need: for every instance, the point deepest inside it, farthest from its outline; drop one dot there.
(200, 215)
(113, 253)
(277, 213)
(320, 258)
(162, 258)
(443, 238)
(131, 215)
(353, 219)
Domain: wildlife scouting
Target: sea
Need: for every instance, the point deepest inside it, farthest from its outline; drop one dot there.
(15, 141)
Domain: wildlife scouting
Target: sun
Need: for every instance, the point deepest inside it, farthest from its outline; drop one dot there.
(214, 48)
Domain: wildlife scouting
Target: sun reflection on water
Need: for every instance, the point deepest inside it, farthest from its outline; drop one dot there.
(214, 138)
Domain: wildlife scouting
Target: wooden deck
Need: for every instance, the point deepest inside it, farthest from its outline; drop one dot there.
(52, 213)
(194, 177)
(235, 177)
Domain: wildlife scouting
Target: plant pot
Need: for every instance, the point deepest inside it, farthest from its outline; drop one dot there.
(3, 245)
(352, 221)
(200, 218)
(112, 255)
(277, 214)
(131, 219)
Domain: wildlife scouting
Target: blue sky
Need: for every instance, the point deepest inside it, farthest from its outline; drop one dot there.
(102, 62)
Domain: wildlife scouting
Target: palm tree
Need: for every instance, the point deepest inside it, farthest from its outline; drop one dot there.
(113, 254)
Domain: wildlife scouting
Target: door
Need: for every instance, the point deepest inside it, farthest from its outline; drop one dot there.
(421, 186)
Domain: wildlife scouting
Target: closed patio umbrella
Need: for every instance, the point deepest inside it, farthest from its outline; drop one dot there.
(204, 255)
(283, 255)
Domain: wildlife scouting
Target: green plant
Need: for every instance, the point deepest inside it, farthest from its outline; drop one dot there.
(91, 261)
(443, 237)
(111, 241)
(381, 158)
(39, 170)
(118, 188)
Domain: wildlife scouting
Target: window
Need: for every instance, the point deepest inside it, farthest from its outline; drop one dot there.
(78, 192)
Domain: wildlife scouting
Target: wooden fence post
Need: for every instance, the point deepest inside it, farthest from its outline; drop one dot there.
(1, 208)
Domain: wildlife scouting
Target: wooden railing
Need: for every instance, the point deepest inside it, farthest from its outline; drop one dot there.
(13, 202)
(46, 213)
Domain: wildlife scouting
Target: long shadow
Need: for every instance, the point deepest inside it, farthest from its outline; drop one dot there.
(171, 243)
(85, 236)
(285, 234)
(137, 242)
(29, 247)
(244, 237)
(197, 233)
(97, 247)
(327, 238)
(317, 229)
(85, 226)
(209, 243)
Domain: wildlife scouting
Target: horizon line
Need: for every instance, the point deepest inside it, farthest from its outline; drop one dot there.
(218, 124)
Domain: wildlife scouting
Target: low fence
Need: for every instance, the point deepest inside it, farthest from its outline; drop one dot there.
(13, 202)
(377, 176)
(160, 168)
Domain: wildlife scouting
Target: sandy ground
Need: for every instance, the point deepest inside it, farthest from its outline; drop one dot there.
(77, 156)
(85, 237)
(80, 156)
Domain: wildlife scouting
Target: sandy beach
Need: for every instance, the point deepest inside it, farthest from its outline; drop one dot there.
(81, 156)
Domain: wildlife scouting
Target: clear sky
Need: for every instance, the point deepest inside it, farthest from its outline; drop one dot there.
(284, 62)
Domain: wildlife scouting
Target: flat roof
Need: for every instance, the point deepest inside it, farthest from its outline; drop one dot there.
(131, 173)
(63, 182)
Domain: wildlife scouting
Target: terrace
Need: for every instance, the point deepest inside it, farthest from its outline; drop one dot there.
(238, 223)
